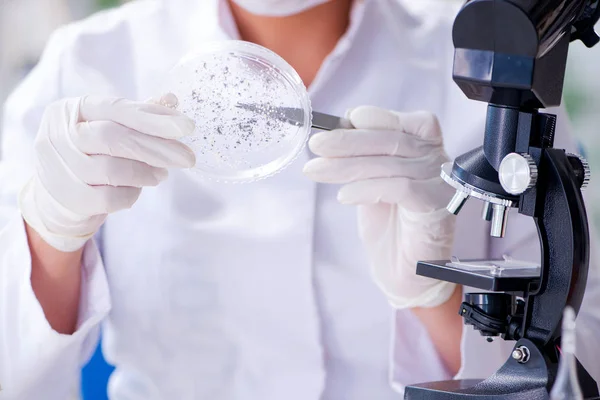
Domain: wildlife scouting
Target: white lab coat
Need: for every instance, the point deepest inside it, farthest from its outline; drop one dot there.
(261, 291)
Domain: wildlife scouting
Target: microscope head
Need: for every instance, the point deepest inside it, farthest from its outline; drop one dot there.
(512, 54)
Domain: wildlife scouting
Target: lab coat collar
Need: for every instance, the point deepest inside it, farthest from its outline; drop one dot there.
(227, 25)
(344, 44)
(198, 21)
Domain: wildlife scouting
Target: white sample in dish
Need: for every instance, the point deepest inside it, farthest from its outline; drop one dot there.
(232, 143)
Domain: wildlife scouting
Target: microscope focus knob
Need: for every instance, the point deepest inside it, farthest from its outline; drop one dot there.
(581, 168)
(517, 173)
(587, 173)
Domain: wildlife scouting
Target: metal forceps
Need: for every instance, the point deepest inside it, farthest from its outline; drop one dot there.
(295, 116)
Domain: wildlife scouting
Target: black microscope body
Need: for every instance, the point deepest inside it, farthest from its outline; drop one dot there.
(512, 54)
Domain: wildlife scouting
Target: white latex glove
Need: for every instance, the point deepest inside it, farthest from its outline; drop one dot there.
(93, 156)
(390, 168)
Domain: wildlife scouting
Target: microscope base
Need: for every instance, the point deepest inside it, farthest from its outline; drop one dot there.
(460, 389)
(515, 380)
(457, 390)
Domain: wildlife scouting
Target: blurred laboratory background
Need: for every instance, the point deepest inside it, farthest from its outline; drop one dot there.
(26, 24)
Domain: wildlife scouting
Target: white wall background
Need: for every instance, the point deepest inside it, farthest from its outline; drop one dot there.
(582, 97)
(24, 29)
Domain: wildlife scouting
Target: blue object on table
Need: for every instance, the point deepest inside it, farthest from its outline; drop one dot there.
(94, 377)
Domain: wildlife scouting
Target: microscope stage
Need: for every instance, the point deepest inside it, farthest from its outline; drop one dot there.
(482, 274)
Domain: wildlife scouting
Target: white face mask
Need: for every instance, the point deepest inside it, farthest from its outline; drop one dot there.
(278, 8)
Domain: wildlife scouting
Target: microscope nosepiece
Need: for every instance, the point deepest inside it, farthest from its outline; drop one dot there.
(499, 220)
(458, 201)
(487, 211)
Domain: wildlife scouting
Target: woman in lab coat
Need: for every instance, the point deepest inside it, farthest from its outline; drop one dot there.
(263, 291)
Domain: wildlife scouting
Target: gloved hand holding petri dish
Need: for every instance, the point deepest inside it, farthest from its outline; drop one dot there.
(252, 111)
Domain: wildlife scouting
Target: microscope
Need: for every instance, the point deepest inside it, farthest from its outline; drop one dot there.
(512, 54)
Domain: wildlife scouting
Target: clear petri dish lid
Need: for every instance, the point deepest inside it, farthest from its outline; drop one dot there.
(252, 110)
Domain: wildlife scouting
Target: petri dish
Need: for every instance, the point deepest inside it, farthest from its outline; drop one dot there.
(235, 91)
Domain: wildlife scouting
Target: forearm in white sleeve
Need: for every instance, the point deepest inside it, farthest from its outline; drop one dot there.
(36, 362)
(415, 360)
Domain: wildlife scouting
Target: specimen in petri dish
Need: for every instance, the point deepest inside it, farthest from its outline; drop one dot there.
(233, 143)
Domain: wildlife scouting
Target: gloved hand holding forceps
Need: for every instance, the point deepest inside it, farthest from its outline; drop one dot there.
(389, 166)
